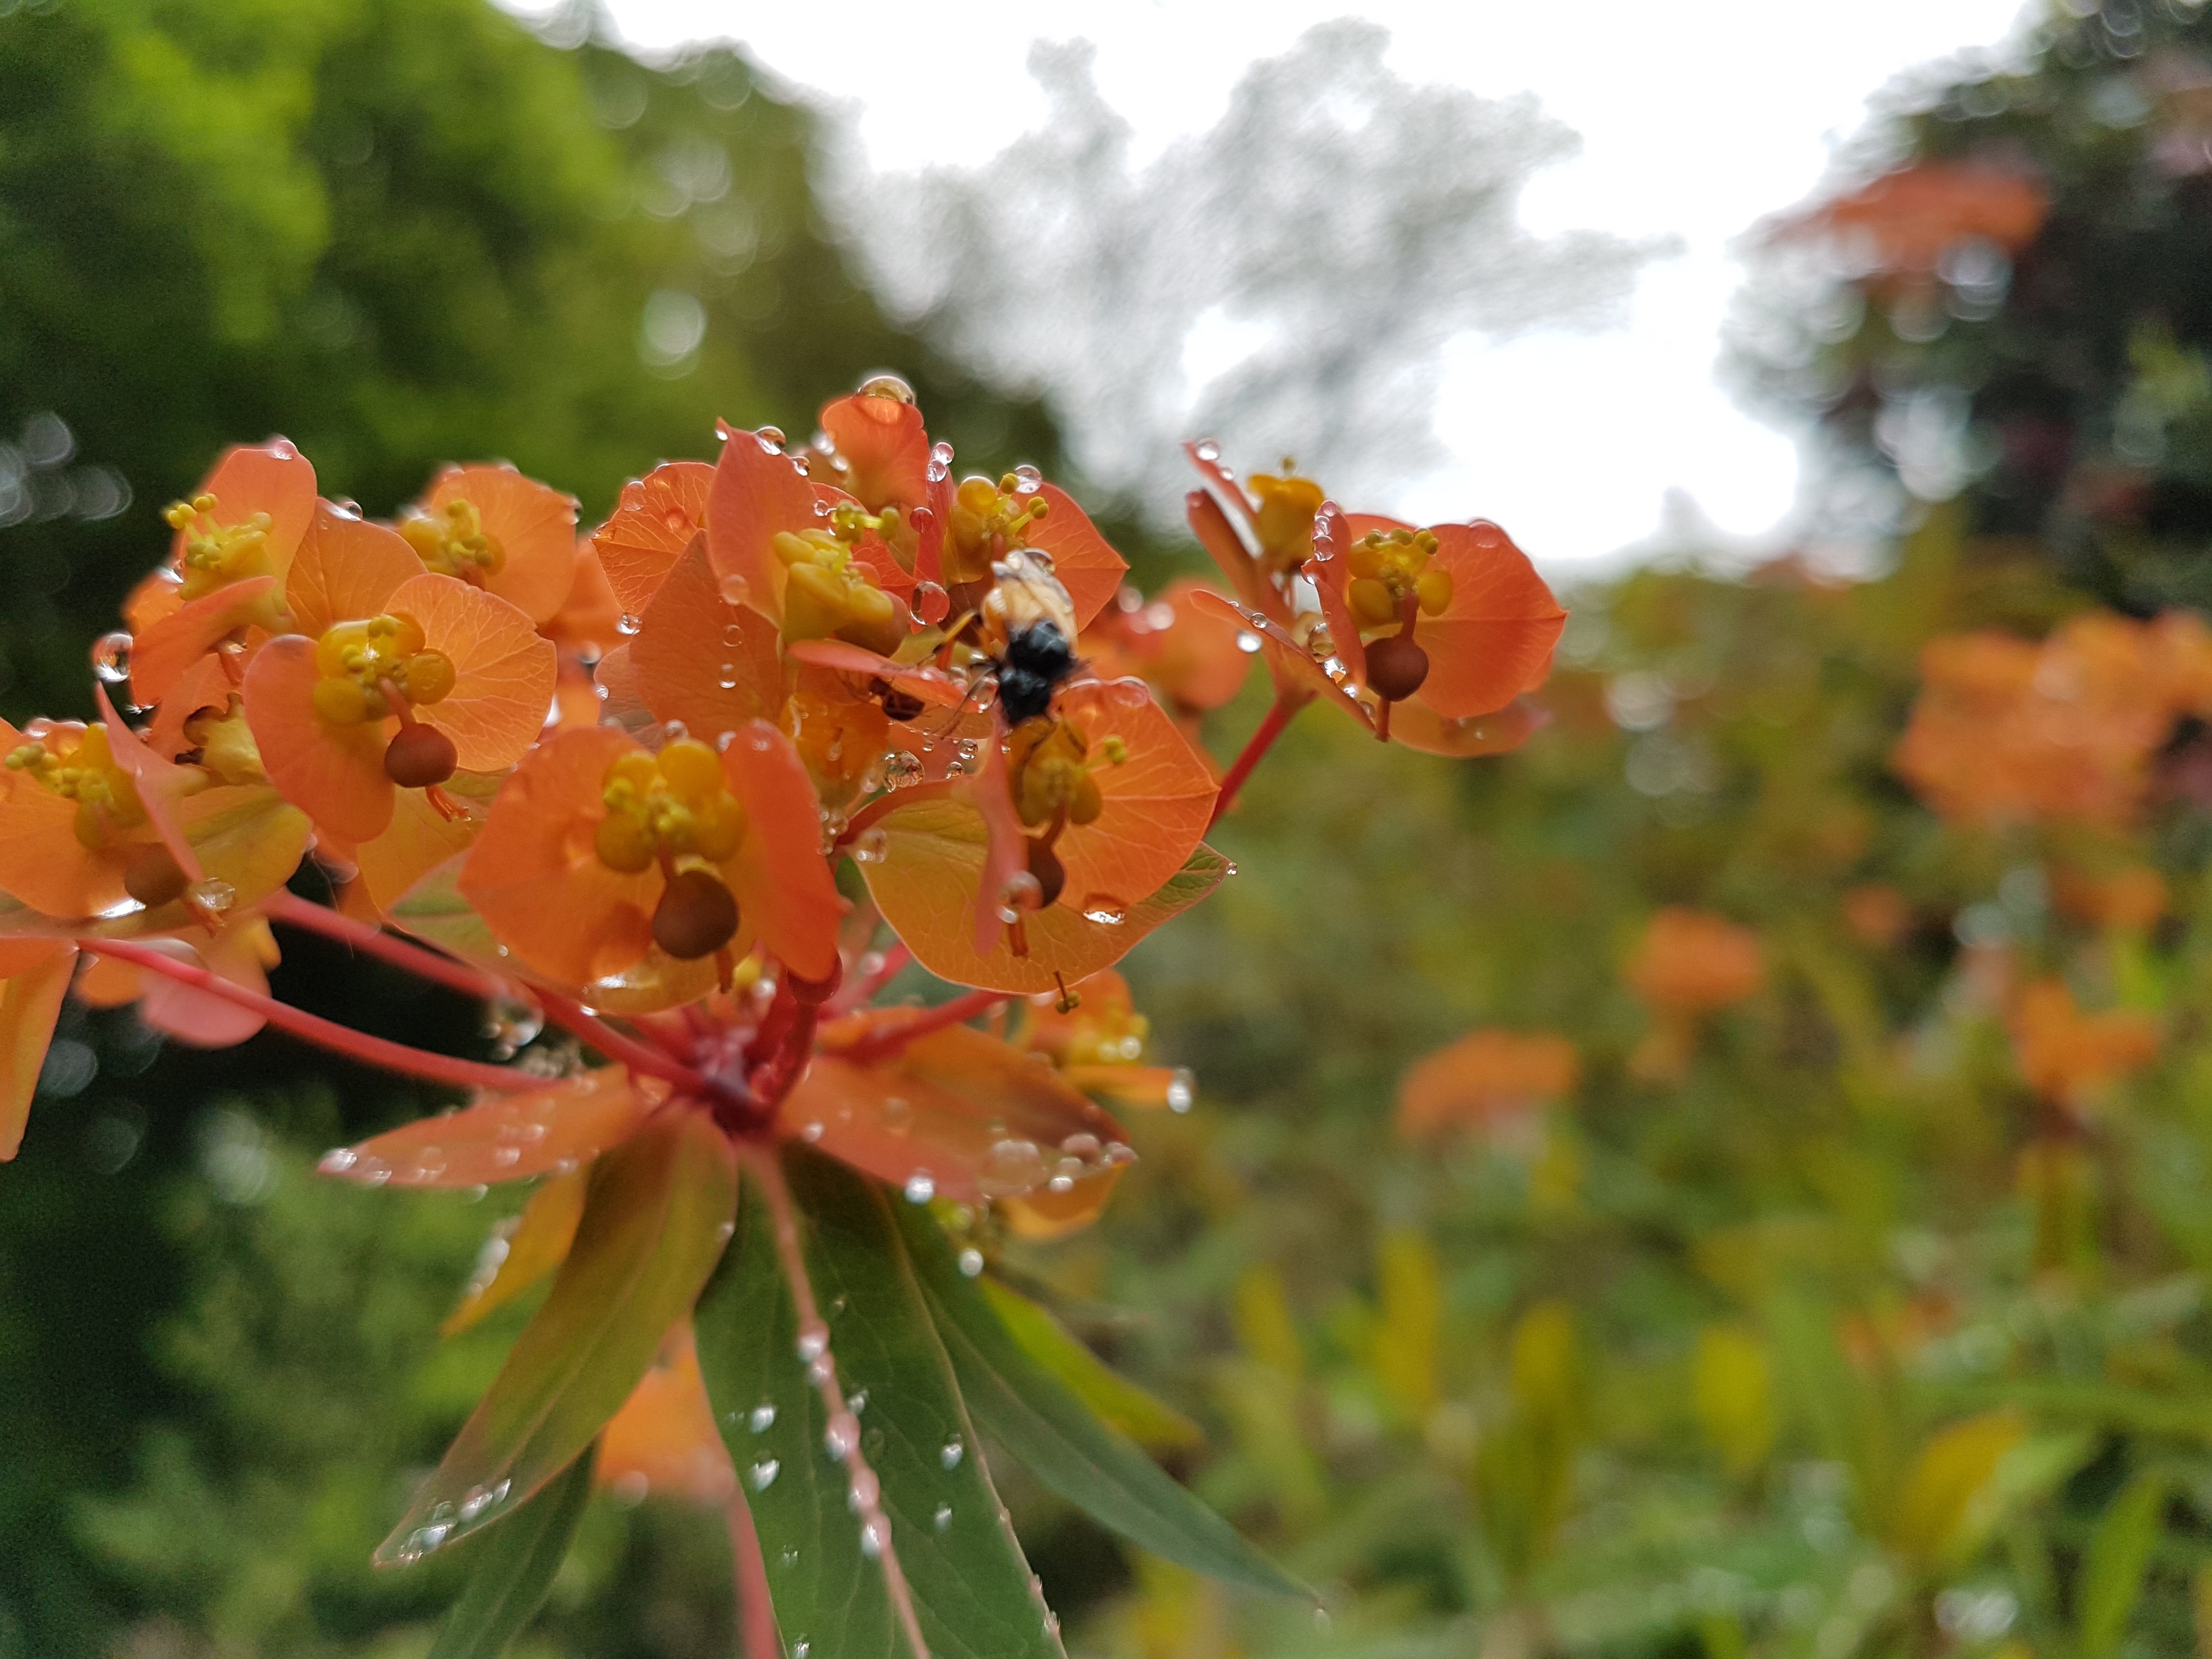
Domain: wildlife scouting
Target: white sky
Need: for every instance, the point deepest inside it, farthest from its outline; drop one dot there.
(1696, 121)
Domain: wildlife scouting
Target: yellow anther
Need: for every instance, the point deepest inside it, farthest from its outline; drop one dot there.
(1285, 519)
(82, 768)
(987, 521)
(453, 541)
(1388, 566)
(672, 805)
(1054, 774)
(829, 594)
(216, 554)
(356, 660)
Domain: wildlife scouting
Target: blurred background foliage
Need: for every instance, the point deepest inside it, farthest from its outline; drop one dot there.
(1840, 1291)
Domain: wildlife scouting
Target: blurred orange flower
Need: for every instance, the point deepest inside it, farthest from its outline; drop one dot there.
(1909, 217)
(1483, 1078)
(1876, 914)
(2070, 1057)
(1692, 961)
(2007, 730)
(2127, 899)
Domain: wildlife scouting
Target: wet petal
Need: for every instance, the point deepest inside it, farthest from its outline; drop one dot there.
(420, 837)
(1418, 726)
(957, 1114)
(42, 862)
(932, 685)
(30, 1002)
(160, 656)
(1085, 560)
(757, 492)
(1156, 805)
(537, 1243)
(882, 441)
(664, 1438)
(1494, 640)
(702, 660)
(782, 883)
(547, 1131)
(653, 522)
(271, 478)
(198, 1017)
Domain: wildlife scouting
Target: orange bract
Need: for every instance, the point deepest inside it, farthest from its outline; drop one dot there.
(1485, 1077)
(655, 520)
(884, 449)
(700, 660)
(533, 524)
(663, 1442)
(547, 1131)
(1909, 217)
(1085, 560)
(1188, 654)
(1691, 961)
(2070, 1057)
(1156, 803)
(957, 1114)
(757, 492)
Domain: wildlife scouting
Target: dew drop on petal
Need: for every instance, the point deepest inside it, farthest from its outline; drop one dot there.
(762, 1475)
(1183, 1090)
(110, 657)
(734, 588)
(1247, 640)
(338, 1160)
(813, 1341)
(1207, 450)
(1105, 909)
(873, 1536)
(971, 1262)
(873, 845)
(763, 1417)
(943, 1518)
(920, 1187)
(627, 623)
(952, 1453)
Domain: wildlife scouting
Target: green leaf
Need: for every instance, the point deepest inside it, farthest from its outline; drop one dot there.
(1037, 1418)
(1121, 1404)
(2112, 1567)
(972, 1589)
(654, 1222)
(512, 1567)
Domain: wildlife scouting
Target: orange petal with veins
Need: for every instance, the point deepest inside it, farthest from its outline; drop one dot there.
(651, 525)
(1085, 562)
(503, 671)
(271, 478)
(345, 570)
(590, 619)
(1494, 640)
(692, 640)
(41, 860)
(534, 877)
(420, 837)
(977, 1117)
(778, 876)
(1156, 804)
(1421, 727)
(757, 492)
(882, 441)
(534, 525)
(932, 686)
(546, 1131)
(333, 773)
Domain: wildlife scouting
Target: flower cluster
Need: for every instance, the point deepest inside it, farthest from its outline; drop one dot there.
(697, 787)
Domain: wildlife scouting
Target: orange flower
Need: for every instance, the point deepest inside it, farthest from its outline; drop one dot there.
(489, 527)
(881, 452)
(663, 1442)
(1484, 1078)
(1189, 656)
(1909, 218)
(2006, 730)
(1876, 914)
(2127, 899)
(655, 520)
(2071, 1058)
(1692, 962)
(336, 710)
(599, 852)
(233, 545)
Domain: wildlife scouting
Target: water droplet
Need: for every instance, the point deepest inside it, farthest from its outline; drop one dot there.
(820, 1369)
(733, 589)
(971, 1262)
(1247, 640)
(762, 1475)
(810, 1132)
(841, 1436)
(920, 1187)
(212, 893)
(901, 769)
(762, 1419)
(813, 1340)
(941, 453)
(931, 602)
(1206, 450)
(863, 1492)
(874, 1535)
(676, 520)
(1021, 894)
(338, 1160)
(943, 1518)
(1082, 1144)
(110, 657)
(952, 1454)
(482, 1498)
(627, 623)
(1183, 1090)
(802, 1647)
(787, 1560)
(873, 846)
(771, 439)
(726, 677)
(857, 1402)
(506, 1156)
(1028, 480)
(1105, 909)
(1015, 1166)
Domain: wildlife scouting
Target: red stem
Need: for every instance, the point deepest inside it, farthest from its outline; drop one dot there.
(958, 1012)
(756, 1631)
(290, 907)
(313, 1028)
(860, 993)
(875, 809)
(572, 1016)
(1278, 721)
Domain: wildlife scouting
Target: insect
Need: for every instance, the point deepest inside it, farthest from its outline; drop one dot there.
(1028, 629)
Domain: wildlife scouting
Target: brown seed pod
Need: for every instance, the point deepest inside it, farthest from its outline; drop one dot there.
(1396, 668)
(152, 875)
(696, 917)
(418, 756)
(1051, 874)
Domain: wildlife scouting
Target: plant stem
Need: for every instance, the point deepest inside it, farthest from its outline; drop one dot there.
(572, 1016)
(1279, 719)
(784, 1217)
(756, 1630)
(313, 1028)
(289, 908)
(861, 992)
